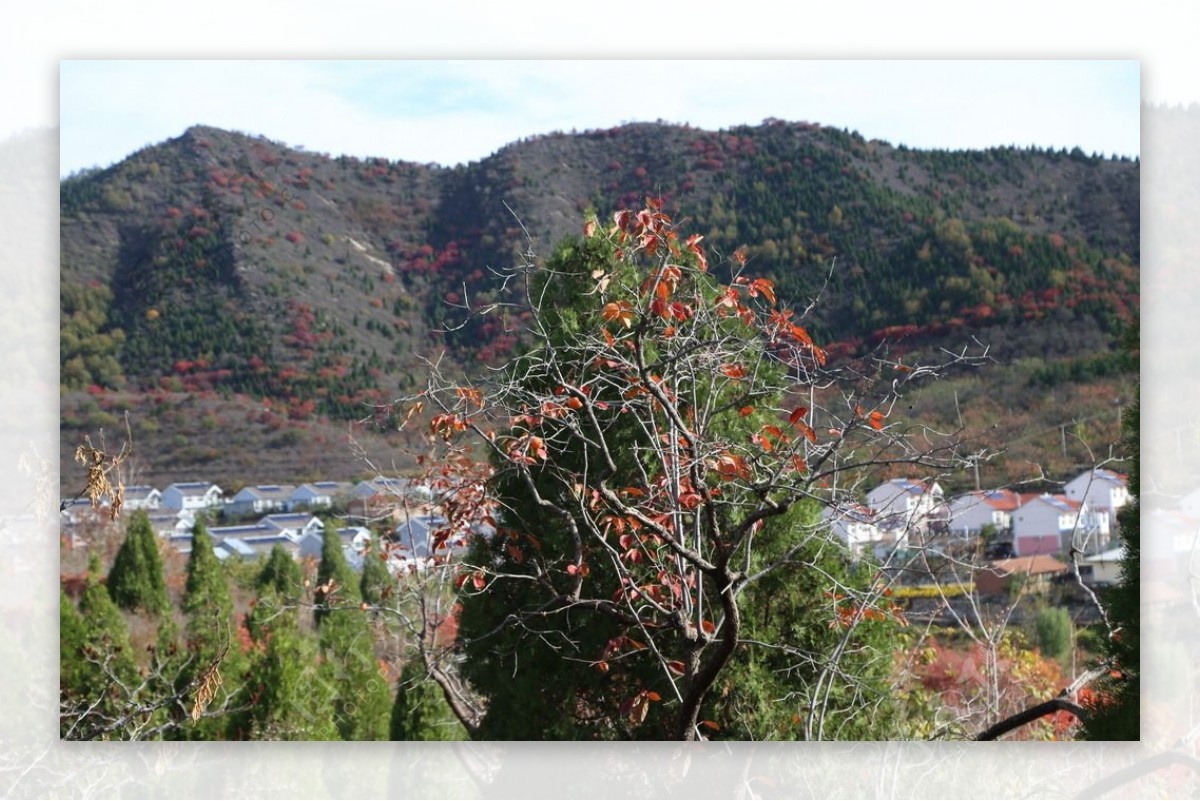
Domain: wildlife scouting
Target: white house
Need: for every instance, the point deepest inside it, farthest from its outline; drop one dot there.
(317, 495)
(191, 496)
(379, 497)
(354, 541)
(169, 522)
(293, 524)
(259, 500)
(969, 513)
(1103, 569)
(141, 497)
(854, 525)
(1045, 524)
(907, 504)
(1104, 491)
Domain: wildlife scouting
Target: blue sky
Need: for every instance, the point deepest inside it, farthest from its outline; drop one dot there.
(458, 111)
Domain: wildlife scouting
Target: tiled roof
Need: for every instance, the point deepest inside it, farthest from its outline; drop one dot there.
(1002, 500)
(1033, 565)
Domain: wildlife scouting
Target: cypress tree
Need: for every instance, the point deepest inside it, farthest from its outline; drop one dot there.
(209, 631)
(281, 575)
(334, 573)
(285, 693)
(361, 694)
(1116, 714)
(97, 661)
(136, 578)
(376, 581)
(419, 711)
(552, 678)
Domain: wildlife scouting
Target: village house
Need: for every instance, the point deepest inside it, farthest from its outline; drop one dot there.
(854, 525)
(354, 540)
(259, 500)
(142, 497)
(1105, 492)
(970, 513)
(317, 495)
(1103, 569)
(293, 524)
(191, 496)
(1044, 524)
(1037, 572)
(381, 497)
(904, 506)
(167, 522)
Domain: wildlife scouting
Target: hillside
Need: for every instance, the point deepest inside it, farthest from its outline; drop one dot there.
(235, 270)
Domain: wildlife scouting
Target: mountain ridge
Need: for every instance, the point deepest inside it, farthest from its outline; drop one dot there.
(224, 263)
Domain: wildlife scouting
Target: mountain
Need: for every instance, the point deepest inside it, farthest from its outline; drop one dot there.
(221, 277)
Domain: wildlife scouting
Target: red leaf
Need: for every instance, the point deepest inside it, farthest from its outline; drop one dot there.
(676, 667)
(797, 414)
(733, 370)
(746, 411)
(710, 724)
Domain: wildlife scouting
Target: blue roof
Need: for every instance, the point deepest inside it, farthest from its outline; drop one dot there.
(234, 545)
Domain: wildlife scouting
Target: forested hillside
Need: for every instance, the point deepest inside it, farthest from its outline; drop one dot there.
(240, 297)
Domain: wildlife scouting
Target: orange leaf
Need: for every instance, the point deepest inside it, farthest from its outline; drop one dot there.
(746, 411)
(876, 420)
(653, 696)
(764, 287)
(708, 626)
(620, 310)
(797, 414)
(733, 370)
(710, 724)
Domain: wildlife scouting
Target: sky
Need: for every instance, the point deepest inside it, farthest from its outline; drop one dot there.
(450, 112)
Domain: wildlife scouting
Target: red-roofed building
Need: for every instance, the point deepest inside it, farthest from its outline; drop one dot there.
(971, 512)
(997, 577)
(1043, 524)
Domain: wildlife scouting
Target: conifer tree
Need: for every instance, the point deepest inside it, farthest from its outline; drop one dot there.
(361, 695)
(281, 575)
(377, 581)
(573, 488)
(135, 581)
(100, 672)
(209, 633)
(419, 711)
(1116, 715)
(284, 695)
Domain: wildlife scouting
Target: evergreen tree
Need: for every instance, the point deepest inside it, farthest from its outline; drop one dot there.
(284, 694)
(135, 581)
(99, 670)
(420, 711)
(1054, 633)
(377, 581)
(281, 575)
(336, 581)
(1116, 715)
(361, 697)
(789, 638)
(209, 631)
(571, 672)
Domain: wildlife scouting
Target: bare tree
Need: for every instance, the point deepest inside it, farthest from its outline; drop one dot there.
(668, 425)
